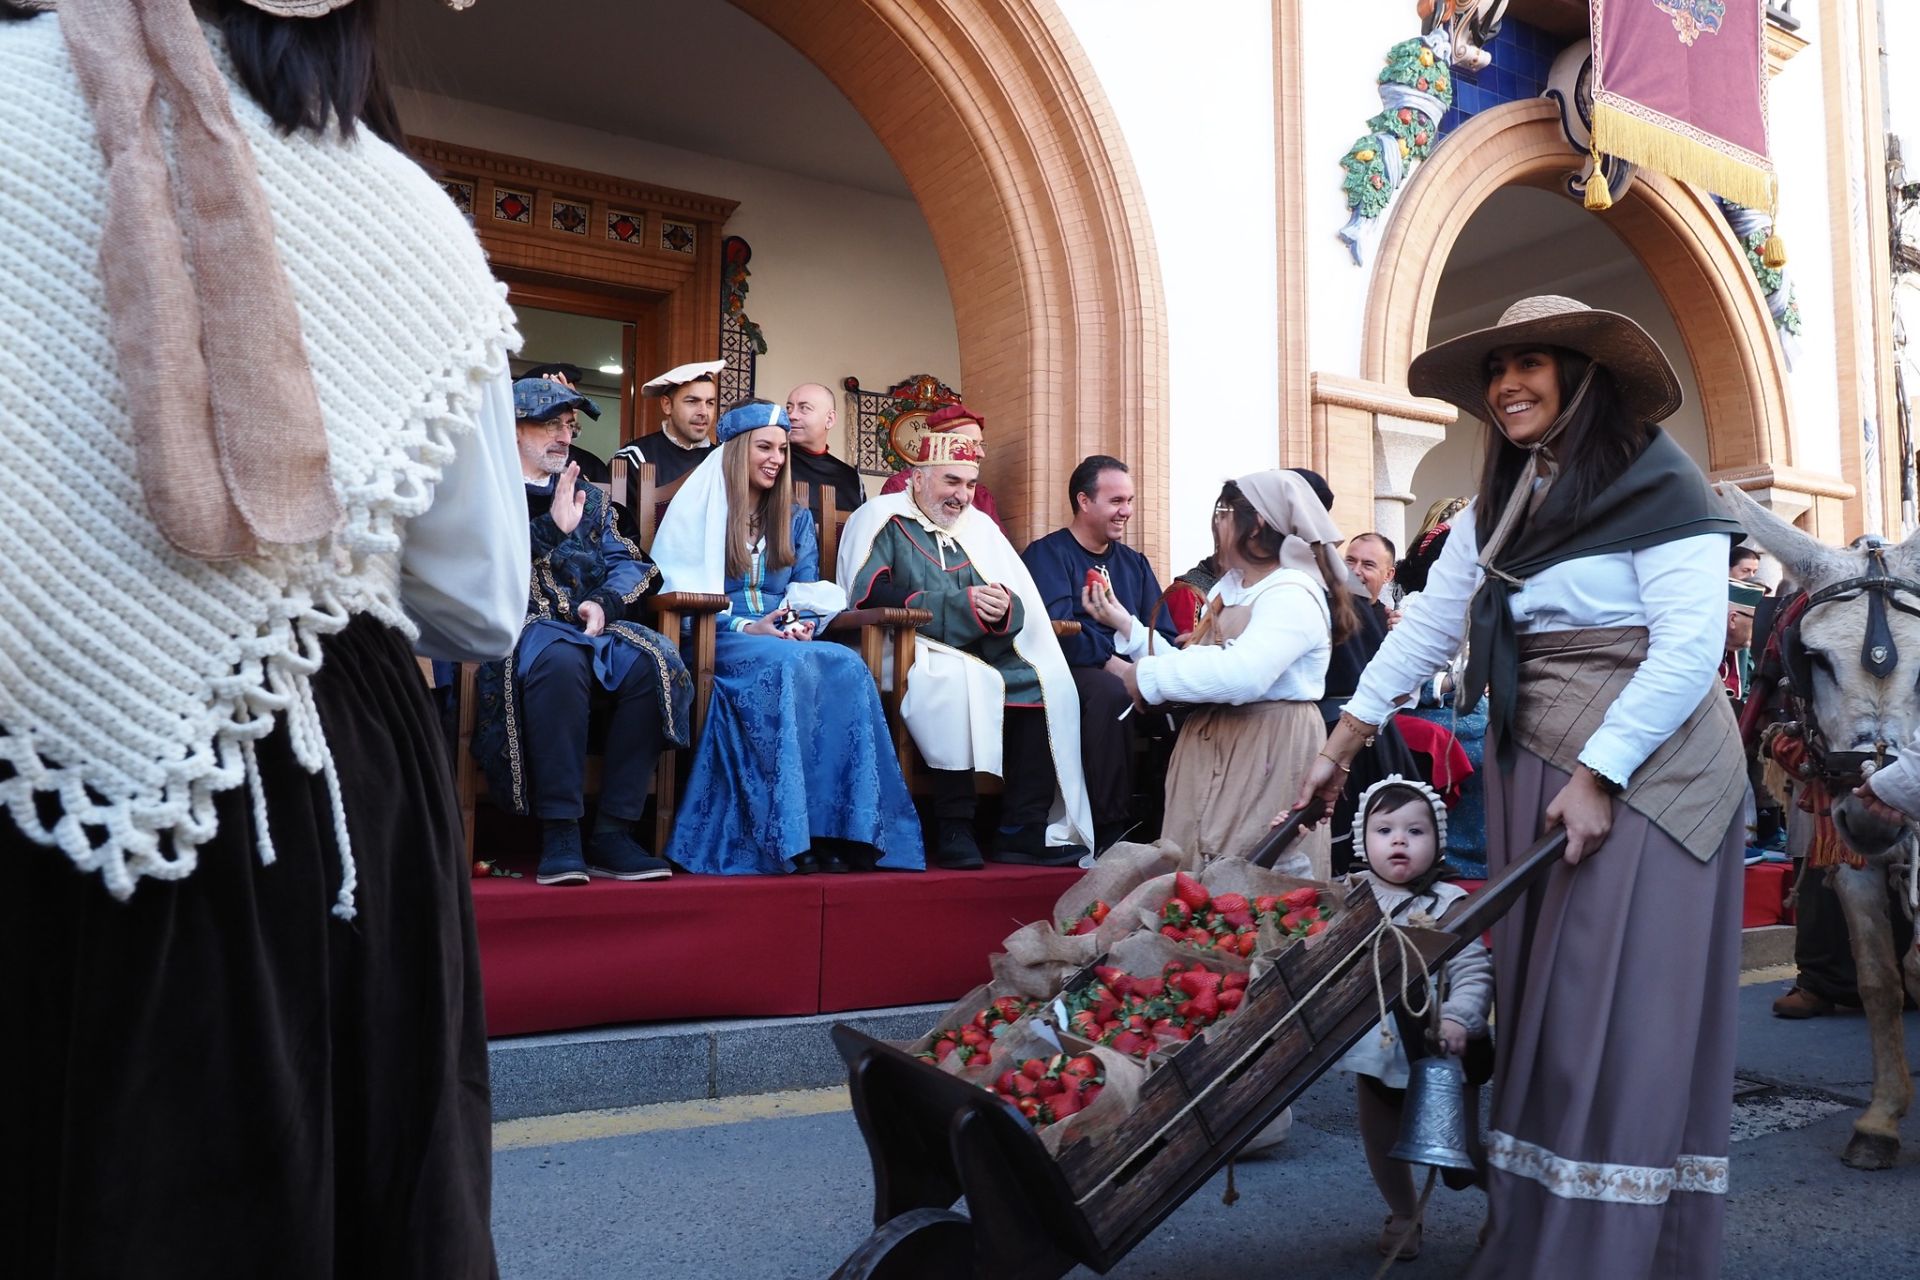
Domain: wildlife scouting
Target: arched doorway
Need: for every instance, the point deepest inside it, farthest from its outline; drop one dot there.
(1688, 253)
(995, 118)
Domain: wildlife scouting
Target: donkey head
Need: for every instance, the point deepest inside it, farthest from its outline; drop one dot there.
(1861, 653)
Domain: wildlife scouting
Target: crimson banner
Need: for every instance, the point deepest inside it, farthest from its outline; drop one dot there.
(1681, 86)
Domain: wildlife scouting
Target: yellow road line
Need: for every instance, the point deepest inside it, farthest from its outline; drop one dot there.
(1772, 973)
(580, 1126)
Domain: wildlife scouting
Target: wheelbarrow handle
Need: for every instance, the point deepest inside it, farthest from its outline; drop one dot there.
(1477, 911)
(1269, 850)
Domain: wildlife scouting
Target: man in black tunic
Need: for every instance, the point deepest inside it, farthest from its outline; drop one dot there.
(810, 408)
(687, 398)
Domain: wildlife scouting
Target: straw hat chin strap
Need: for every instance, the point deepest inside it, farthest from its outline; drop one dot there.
(231, 447)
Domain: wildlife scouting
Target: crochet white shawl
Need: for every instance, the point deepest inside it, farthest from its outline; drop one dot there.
(134, 681)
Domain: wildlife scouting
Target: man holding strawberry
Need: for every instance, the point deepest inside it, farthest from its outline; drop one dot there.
(989, 690)
(1088, 575)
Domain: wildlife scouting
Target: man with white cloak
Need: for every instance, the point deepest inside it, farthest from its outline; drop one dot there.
(990, 691)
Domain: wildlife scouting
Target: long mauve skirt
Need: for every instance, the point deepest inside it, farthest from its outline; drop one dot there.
(220, 1078)
(1615, 985)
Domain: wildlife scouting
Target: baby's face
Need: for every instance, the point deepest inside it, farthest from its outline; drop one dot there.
(1401, 844)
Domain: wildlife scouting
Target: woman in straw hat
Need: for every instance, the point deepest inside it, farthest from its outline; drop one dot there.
(243, 998)
(1254, 670)
(1588, 573)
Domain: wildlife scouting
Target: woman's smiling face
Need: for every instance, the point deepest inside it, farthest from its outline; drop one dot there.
(1523, 390)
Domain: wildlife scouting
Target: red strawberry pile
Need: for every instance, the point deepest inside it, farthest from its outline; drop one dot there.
(973, 1039)
(1298, 914)
(1226, 924)
(1047, 1090)
(1087, 921)
(1138, 1015)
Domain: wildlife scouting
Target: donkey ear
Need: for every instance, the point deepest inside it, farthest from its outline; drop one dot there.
(1805, 558)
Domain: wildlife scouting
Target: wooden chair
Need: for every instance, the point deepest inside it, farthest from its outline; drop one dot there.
(670, 610)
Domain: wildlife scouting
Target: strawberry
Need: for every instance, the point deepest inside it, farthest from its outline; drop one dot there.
(1266, 903)
(1091, 1092)
(1300, 899)
(1196, 980)
(1177, 913)
(1034, 1068)
(1293, 921)
(1248, 941)
(1132, 1042)
(1010, 1008)
(975, 1035)
(1030, 1108)
(1005, 1083)
(1049, 1087)
(1231, 999)
(1085, 925)
(1149, 988)
(1226, 902)
(1238, 919)
(942, 1047)
(1190, 891)
(1081, 1068)
(1317, 928)
(1098, 912)
(1085, 1024)
(1199, 937)
(1057, 1109)
(1233, 982)
(1025, 1086)
(1109, 975)
(1172, 931)
(1204, 1007)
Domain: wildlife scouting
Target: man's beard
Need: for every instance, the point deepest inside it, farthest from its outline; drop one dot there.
(939, 513)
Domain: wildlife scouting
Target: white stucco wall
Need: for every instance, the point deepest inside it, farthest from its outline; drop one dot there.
(1344, 46)
(1195, 101)
(1797, 127)
(844, 281)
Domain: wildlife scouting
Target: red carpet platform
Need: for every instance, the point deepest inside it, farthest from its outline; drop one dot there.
(555, 959)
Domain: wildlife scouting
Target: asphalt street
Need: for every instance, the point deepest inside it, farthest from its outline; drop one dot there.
(778, 1185)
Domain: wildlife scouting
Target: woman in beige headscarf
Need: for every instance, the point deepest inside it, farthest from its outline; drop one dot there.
(1255, 669)
(253, 393)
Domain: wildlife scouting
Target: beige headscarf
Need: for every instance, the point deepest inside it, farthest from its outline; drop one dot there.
(231, 447)
(1287, 503)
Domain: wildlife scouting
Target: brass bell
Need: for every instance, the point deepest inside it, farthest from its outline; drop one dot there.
(1433, 1121)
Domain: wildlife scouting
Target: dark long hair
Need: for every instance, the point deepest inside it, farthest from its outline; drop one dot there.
(1259, 543)
(306, 73)
(1598, 443)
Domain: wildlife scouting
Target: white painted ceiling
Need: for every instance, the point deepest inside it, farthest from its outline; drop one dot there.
(695, 74)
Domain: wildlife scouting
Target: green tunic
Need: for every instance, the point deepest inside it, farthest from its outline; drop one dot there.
(913, 565)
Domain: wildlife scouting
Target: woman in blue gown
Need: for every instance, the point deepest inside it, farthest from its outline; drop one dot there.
(796, 758)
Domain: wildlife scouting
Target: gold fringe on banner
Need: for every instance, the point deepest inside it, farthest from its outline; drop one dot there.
(1654, 146)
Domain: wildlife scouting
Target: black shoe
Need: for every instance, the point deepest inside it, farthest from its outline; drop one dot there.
(805, 864)
(615, 855)
(954, 848)
(1028, 847)
(560, 859)
(834, 865)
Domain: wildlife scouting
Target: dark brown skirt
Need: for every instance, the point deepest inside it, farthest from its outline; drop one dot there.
(219, 1077)
(1615, 985)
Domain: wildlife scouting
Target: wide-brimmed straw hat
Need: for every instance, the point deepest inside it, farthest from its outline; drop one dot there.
(1456, 370)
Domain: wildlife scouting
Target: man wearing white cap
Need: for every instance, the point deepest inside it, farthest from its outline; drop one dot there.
(688, 396)
(989, 691)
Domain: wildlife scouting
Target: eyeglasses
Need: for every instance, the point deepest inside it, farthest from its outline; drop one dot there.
(568, 422)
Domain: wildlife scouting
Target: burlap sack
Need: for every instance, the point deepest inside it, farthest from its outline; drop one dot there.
(1039, 958)
(1116, 1100)
(958, 1014)
(1120, 870)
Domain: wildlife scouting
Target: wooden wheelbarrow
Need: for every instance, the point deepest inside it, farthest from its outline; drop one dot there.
(934, 1138)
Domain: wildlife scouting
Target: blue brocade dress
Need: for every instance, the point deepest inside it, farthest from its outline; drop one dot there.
(796, 746)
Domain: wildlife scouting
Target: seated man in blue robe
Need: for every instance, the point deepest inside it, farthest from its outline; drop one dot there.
(577, 651)
(1085, 556)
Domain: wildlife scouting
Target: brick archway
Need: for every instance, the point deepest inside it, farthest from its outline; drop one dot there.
(994, 116)
(1676, 233)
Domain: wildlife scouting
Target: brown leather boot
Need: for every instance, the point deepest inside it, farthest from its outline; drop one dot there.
(1801, 1003)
